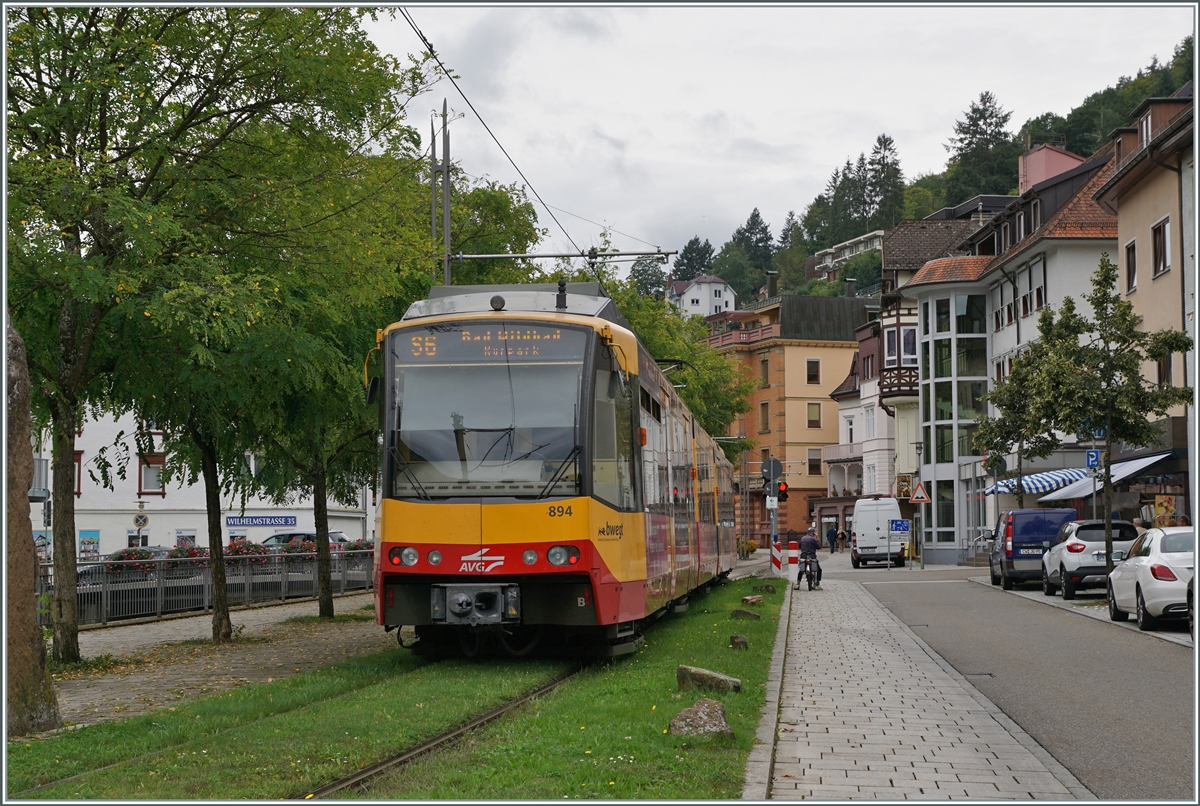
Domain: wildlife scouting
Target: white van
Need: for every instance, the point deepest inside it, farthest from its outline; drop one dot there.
(869, 537)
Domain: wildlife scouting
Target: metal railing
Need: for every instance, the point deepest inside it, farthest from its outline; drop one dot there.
(112, 590)
(976, 551)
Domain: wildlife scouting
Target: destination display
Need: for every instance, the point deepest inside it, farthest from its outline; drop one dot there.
(438, 344)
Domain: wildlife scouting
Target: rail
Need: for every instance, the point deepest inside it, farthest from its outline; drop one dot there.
(113, 590)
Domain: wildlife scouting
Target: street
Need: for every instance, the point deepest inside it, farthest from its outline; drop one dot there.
(1112, 705)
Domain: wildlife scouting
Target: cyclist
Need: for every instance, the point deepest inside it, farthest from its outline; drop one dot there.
(810, 544)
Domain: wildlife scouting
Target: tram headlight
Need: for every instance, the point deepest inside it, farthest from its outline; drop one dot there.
(563, 555)
(435, 557)
(530, 556)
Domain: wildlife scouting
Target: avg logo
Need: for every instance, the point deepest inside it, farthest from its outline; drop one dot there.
(481, 561)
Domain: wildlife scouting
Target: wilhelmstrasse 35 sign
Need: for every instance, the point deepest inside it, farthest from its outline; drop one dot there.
(261, 520)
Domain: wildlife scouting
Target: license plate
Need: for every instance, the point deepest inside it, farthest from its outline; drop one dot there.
(1032, 551)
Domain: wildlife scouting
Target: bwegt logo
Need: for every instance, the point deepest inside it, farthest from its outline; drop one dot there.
(611, 530)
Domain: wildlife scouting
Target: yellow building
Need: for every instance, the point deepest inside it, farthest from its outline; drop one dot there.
(800, 349)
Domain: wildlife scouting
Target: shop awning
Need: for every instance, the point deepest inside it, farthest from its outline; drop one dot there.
(1039, 482)
(1121, 470)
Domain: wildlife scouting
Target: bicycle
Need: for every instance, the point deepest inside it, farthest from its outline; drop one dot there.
(809, 574)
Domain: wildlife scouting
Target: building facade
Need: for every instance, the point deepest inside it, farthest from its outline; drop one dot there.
(705, 296)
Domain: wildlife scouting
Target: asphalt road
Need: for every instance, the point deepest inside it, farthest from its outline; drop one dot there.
(1114, 706)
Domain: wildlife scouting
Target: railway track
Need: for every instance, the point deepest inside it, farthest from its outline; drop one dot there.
(359, 778)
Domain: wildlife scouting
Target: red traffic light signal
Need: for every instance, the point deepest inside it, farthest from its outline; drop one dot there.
(783, 491)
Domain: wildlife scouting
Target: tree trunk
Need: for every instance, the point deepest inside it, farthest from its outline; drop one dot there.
(1020, 488)
(32, 703)
(222, 627)
(1108, 537)
(64, 613)
(321, 516)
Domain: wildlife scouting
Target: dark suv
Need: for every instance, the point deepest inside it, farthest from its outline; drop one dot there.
(1019, 540)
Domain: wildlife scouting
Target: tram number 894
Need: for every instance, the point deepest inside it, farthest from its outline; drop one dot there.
(560, 512)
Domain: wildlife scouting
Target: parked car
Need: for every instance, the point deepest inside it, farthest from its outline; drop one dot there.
(1020, 538)
(1076, 556)
(869, 537)
(337, 540)
(1155, 578)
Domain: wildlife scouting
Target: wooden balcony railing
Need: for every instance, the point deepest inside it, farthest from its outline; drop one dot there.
(744, 336)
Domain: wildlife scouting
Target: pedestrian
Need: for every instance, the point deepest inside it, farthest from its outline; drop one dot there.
(831, 536)
(1184, 520)
(841, 538)
(1172, 522)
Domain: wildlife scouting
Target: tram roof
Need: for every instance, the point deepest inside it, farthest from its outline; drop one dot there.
(583, 299)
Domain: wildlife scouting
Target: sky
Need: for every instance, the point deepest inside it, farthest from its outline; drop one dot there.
(669, 122)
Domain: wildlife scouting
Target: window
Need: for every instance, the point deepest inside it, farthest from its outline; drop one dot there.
(150, 475)
(814, 370)
(695, 302)
(966, 440)
(970, 313)
(612, 441)
(185, 537)
(996, 320)
(1039, 298)
(1004, 237)
(889, 348)
(1020, 226)
(868, 367)
(849, 429)
(943, 401)
(1024, 305)
(999, 373)
(943, 315)
(944, 435)
(1164, 372)
(941, 358)
(764, 371)
(970, 400)
(78, 473)
(908, 346)
(1161, 244)
(1131, 267)
(764, 417)
(89, 544)
(716, 293)
(944, 500)
(925, 318)
(135, 539)
(814, 461)
(869, 421)
(1036, 213)
(814, 415)
(1008, 313)
(1144, 130)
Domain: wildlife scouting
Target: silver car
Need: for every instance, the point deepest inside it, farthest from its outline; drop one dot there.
(337, 540)
(1154, 579)
(1076, 556)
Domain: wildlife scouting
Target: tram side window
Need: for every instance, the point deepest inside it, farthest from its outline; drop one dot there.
(612, 442)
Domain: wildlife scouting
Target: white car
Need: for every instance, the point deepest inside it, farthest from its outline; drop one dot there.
(1153, 580)
(1076, 556)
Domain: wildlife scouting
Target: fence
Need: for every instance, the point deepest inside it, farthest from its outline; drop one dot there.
(114, 590)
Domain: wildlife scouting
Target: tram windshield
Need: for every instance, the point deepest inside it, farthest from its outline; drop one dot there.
(485, 409)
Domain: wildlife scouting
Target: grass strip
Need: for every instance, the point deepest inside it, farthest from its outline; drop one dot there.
(286, 753)
(604, 735)
(33, 762)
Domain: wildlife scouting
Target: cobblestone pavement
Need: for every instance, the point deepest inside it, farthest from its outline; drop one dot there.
(173, 660)
(866, 710)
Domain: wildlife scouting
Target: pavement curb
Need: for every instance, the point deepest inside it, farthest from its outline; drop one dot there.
(1064, 776)
(760, 764)
(1053, 601)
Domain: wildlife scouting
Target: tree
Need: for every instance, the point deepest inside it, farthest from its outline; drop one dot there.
(983, 153)
(754, 237)
(733, 266)
(32, 703)
(1019, 423)
(1093, 374)
(648, 277)
(133, 134)
(694, 259)
(886, 184)
(865, 268)
(788, 233)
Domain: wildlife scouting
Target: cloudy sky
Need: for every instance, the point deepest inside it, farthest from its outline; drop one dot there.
(669, 122)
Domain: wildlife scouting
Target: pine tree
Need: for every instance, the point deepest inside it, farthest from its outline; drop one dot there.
(886, 184)
(754, 237)
(694, 259)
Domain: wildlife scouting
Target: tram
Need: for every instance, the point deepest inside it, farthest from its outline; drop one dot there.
(543, 484)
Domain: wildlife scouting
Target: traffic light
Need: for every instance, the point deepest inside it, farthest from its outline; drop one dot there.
(783, 488)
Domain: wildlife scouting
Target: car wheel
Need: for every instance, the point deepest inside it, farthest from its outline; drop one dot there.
(1047, 588)
(1114, 613)
(1064, 582)
(1006, 582)
(992, 571)
(1145, 621)
(853, 561)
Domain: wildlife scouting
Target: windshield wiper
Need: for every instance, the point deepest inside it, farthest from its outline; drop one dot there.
(404, 467)
(558, 473)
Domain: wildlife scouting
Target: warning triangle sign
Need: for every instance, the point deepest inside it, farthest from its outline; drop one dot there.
(919, 496)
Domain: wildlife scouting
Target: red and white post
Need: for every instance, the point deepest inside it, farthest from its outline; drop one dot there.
(793, 573)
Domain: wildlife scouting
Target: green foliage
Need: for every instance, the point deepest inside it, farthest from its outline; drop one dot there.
(732, 265)
(983, 152)
(754, 237)
(694, 259)
(648, 277)
(862, 196)
(865, 267)
(924, 196)
(817, 287)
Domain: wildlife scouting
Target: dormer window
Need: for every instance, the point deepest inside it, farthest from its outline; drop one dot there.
(1036, 212)
(1020, 226)
(1144, 130)
(1005, 238)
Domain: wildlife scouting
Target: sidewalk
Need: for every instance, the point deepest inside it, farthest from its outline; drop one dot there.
(865, 709)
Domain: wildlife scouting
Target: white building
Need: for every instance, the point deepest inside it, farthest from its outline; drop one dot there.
(702, 296)
(174, 512)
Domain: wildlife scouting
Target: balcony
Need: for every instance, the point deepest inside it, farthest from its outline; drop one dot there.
(744, 336)
(899, 382)
(846, 452)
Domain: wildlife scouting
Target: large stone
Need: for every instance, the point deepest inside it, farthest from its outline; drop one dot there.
(695, 677)
(751, 600)
(768, 588)
(746, 614)
(739, 642)
(705, 718)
